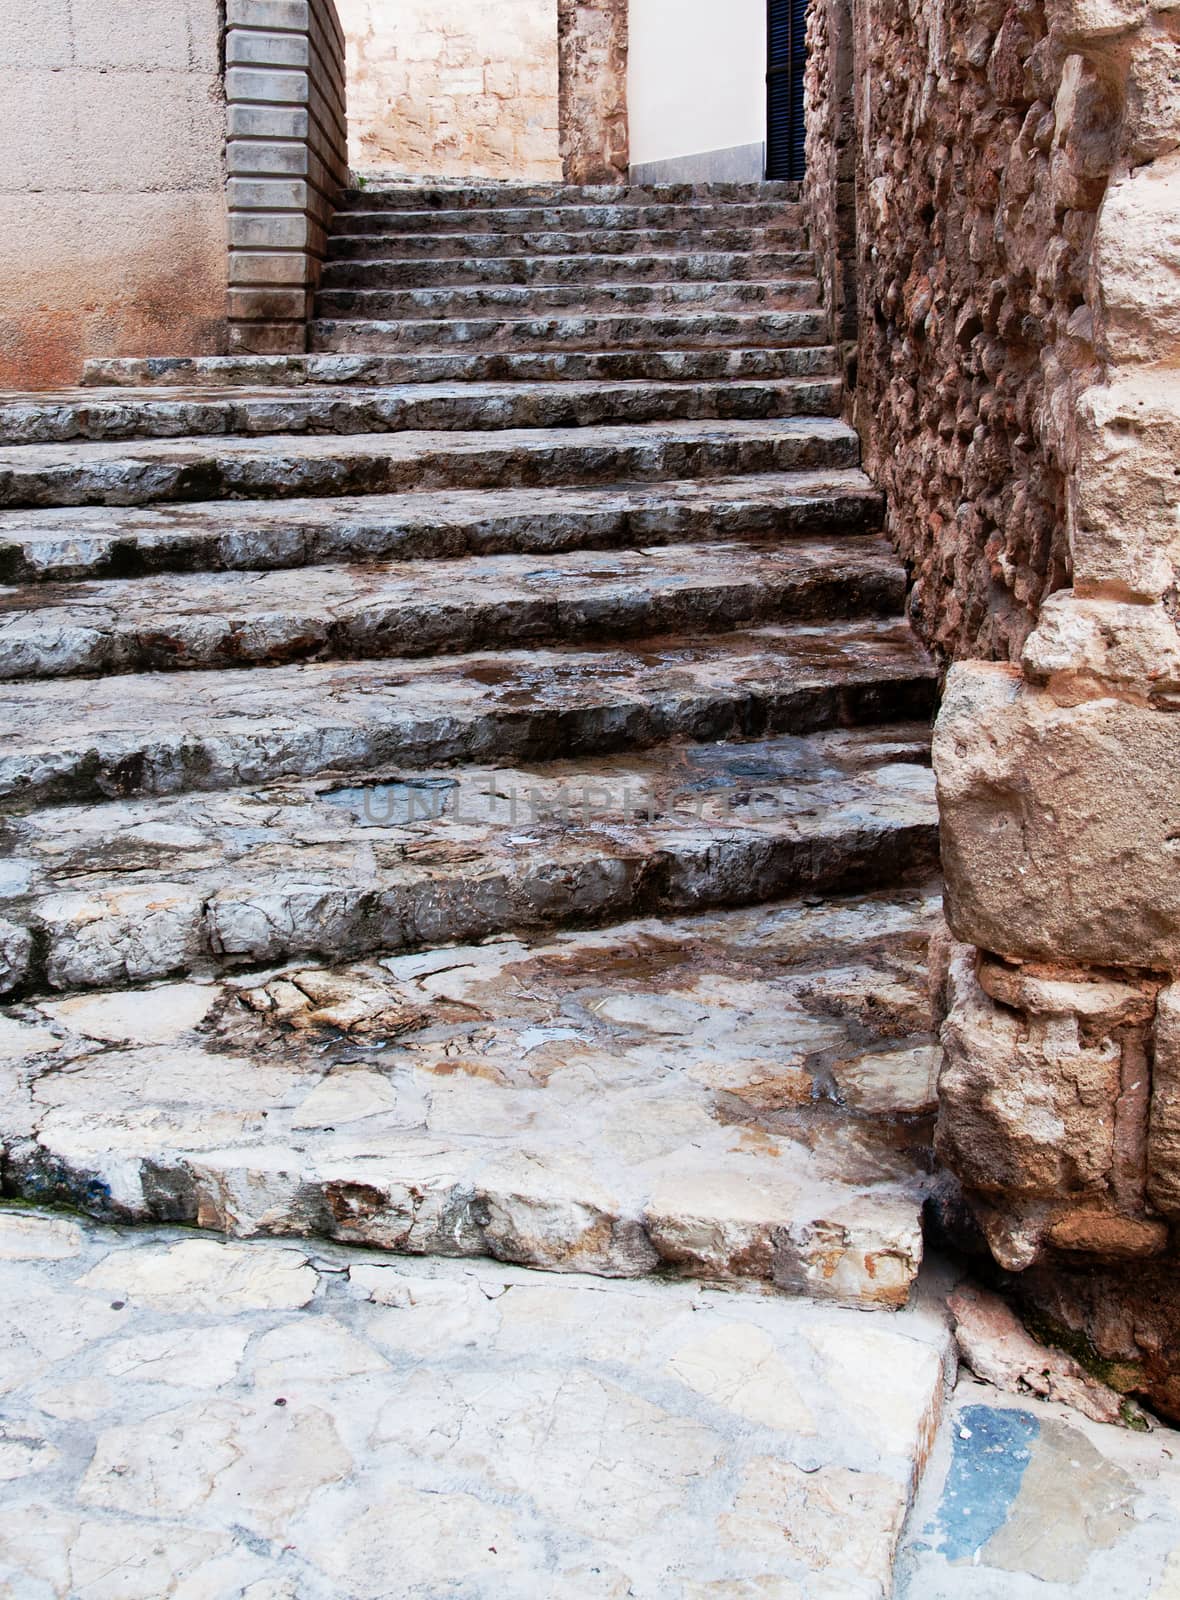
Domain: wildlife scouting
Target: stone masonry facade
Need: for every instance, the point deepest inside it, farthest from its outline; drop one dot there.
(595, 141)
(1017, 185)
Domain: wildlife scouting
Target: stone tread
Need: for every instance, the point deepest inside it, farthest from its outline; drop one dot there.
(121, 413)
(340, 868)
(395, 194)
(463, 302)
(687, 220)
(402, 609)
(736, 1096)
(460, 1425)
(716, 267)
(572, 366)
(154, 471)
(78, 739)
(95, 542)
(590, 332)
(752, 241)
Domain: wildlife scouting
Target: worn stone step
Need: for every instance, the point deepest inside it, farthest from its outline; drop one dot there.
(81, 739)
(558, 1435)
(282, 467)
(381, 610)
(449, 366)
(352, 244)
(708, 267)
(584, 299)
(664, 331)
(739, 1097)
(124, 414)
(687, 220)
(397, 196)
(218, 536)
(134, 891)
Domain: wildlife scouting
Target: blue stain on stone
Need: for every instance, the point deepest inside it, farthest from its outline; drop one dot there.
(992, 1450)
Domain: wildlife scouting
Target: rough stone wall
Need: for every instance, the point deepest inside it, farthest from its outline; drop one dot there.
(593, 90)
(988, 134)
(453, 88)
(830, 183)
(287, 155)
(1059, 774)
(112, 188)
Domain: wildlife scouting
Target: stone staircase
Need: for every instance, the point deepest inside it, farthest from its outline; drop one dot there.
(466, 789)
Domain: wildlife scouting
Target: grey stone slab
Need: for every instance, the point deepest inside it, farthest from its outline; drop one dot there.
(594, 331)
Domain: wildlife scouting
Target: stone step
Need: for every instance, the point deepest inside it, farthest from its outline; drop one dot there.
(689, 221)
(351, 243)
(665, 331)
(740, 1097)
(551, 1436)
(398, 196)
(449, 366)
(233, 536)
(83, 739)
(583, 299)
(121, 413)
(403, 609)
(707, 267)
(284, 467)
(339, 868)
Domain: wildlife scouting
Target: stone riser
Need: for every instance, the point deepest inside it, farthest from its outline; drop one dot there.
(375, 616)
(95, 416)
(359, 244)
(225, 537)
(98, 738)
(668, 332)
(688, 221)
(580, 300)
(399, 197)
(711, 267)
(159, 473)
(542, 366)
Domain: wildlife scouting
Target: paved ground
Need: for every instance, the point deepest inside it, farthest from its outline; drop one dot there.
(210, 1420)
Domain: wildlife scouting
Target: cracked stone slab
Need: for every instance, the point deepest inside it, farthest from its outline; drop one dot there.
(536, 299)
(365, 237)
(131, 891)
(97, 414)
(95, 542)
(739, 1095)
(686, 220)
(708, 267)
(592, 331)
(283, 467)
(376, 611)
(310, 1423)
(391, 192)
(71, 740)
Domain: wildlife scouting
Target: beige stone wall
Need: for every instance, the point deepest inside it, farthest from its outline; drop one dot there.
(453, 88)
(112, 189)
(595, 133)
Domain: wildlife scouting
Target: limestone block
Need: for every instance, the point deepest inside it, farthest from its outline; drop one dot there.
(1084, 648)
(1060, 834)
(1151, 118)
(1163, 1139)
(1027, 1109)
(16, 948)
(1137, 263)
(1075, 21)
(166, 35)
(36, 36)
(292, 14)
(170, 138)
(250, 47)
(1125, 503)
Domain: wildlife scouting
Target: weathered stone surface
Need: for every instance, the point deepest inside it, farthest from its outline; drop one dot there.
(165, 733)
(409, 610)
(99, 542)
(1045, 808)
(140, 890)
(1083, 649)
(576, 1437)
(600, 1101)
(1163, 1145)
(592, 89)
(1137, 259)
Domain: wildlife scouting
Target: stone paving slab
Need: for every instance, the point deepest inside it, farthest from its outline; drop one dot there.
(1027, 1500)
(685, 219)
(368, 239)
(152, 471)
(716, 267)
(97, 541)
(136, 890)
(665, 329)
(739, 1095)
(162, 733)
(205, 1420)
(392, 192)
(408, 609)
(379, 300)
(97, 414)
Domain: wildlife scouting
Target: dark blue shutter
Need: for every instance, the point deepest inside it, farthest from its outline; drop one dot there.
(786, 59)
